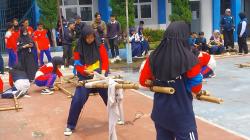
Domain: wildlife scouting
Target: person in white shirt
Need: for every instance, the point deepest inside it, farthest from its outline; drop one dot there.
(242, 34)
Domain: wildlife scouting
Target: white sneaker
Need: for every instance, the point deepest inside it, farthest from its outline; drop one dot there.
(120, 122)
(47, 92)
(67, 132)
(112, 60)
(118, 58)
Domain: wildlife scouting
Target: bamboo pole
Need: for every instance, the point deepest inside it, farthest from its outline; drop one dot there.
(16, 103)
(118, 86)
(9, 108)
(210, 99)
(69, 94)
(165, 90)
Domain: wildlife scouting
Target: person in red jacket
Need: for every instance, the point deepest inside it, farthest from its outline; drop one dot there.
(11, 45)
(42, 43)
(90, 56)
(208, 64)
(172, 64)
(46, 75)
(1, 85)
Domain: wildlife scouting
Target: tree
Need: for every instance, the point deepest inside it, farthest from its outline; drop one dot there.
(119, 9)
(181, 11)
(49, 15)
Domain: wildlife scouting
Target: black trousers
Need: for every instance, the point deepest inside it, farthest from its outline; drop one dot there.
(114, 47)
(67, 55)
(228, 38)
(242, 42)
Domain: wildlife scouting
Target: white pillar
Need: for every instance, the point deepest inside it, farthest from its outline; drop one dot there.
(206, 17)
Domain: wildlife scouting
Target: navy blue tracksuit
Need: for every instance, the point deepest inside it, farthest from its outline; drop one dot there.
(173, 114)
(80, 98)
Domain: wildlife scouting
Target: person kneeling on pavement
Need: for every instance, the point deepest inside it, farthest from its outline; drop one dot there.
(47, 74)
(18, 81)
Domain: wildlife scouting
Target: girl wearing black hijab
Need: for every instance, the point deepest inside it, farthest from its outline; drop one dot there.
(173, 65)
(90, 56)
(26, 56)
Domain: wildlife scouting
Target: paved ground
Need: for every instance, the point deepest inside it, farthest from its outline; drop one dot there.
(231, 84)
(44, 117)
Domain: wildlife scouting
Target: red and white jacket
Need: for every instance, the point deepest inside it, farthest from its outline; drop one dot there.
(45, 70)
(10, 41)
(208, 60)
(40, 37)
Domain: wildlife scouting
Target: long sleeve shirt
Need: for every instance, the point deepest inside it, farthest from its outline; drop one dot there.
(101, 64)
(46, 69)
(194, 79)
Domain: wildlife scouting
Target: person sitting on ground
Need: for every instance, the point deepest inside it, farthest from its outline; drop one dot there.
(192, 42)
(201, 41)
(144, 41)
(135, 40)
(19, 80)
(47, 74)
(216, 43)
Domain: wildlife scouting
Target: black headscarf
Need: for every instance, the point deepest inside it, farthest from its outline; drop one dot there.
(24, 39)
(57, 60)
(88, 52)
(172, 58)
(242, 15)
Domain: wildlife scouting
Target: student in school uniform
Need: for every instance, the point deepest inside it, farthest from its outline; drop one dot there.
(11, 45)
(113, 33)
(90, 55)
(242, 33)
(29, 28)
(172, 64)
(42, 42)
(47, 74)
(208, 64)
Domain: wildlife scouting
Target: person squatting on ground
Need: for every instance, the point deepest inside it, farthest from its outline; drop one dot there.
(172, 64)
(216, 43)
(11, 45)
(26, 54)
(42, 42)
(47, 74)
(90, 55)
(242, 34)
(227, 28)
(68, 38)
(113, 34)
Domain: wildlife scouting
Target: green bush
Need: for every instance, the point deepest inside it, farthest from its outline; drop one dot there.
(153, 35)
